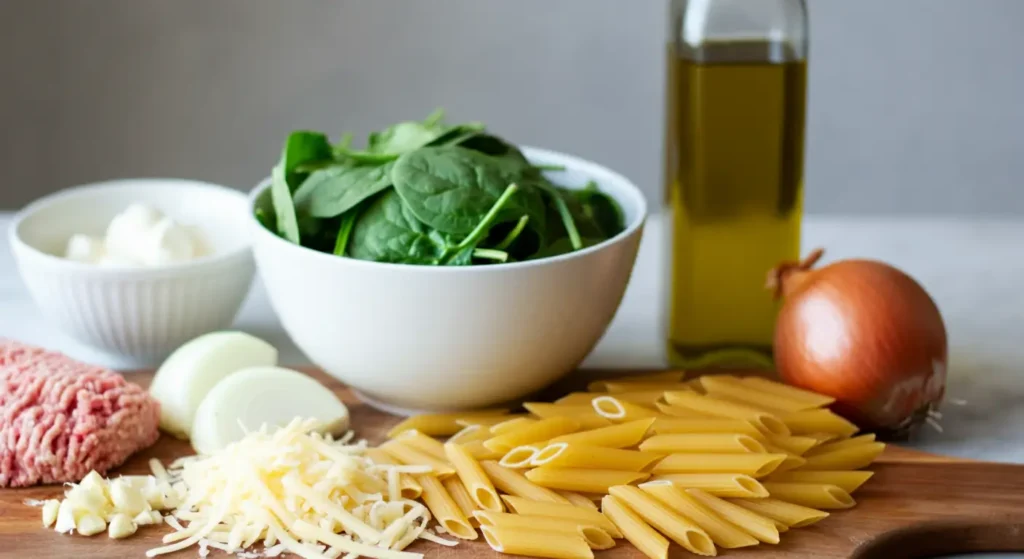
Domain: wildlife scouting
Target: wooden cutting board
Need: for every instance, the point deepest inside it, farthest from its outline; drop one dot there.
(916, 505)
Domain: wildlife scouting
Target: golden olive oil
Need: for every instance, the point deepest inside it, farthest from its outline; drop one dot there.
(735, 188)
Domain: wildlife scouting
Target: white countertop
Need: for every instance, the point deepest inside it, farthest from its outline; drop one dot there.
(972, 267)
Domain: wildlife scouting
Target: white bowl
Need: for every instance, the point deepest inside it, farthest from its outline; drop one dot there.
(142, 313)
(446, 338)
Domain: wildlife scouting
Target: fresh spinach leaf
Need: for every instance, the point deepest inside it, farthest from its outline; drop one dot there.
(299, 148)
(345, 231)
(565, 246)
(333, 191)
(600, 209)
(284, 209)
(481, 229)
(388, 232)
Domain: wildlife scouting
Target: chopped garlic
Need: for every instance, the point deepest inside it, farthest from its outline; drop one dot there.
(127, 500)
(90, 525)
(121, 527)
(50, 509)
(65, 523)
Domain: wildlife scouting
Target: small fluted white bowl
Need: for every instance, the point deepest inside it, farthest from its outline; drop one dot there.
(140, 313)
(428, 338)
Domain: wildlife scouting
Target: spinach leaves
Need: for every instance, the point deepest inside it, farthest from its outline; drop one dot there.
(429, 193)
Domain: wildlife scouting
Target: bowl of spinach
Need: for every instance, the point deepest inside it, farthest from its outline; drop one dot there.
(442, 266)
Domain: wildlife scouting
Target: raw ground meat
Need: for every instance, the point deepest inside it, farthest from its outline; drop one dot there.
(60, 419)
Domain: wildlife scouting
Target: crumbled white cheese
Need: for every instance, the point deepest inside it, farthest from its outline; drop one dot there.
(138, 236)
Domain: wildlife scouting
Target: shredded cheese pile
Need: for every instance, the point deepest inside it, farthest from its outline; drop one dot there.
(295, 491)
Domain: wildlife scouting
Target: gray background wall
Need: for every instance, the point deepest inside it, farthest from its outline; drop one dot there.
(915, 105)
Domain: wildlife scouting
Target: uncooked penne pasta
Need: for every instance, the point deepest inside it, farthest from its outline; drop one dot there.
(767, 423)
(620, 412)
(646, 539)
(813, 495)
(578, 499)
(514, 483)
(614, 436)
(850, 458)
(473, 477)
(488, 420)
(439, 424)
(722, 533)
(584, 414)
(471, 433)
(410, 456)
(731, 388)
(685, 426)
(422, 443)
(527, 507)
(538, 431)
(408, 486)
(477, 450)
(842, 444)
(790, 462)
(663, 377)
(792, 515)
(520, 457)
(761, 527)
(823, 438)
(578, 479)
(460, 495)
(818, 421)
(645, 398)
(621, 387)
(721, 485)
(793, 444)
(511, 425)
(444, 509)
(848, 481)
(578, 398)
(786, 391)
(565, 455)
(679, 412)
(667, 521)
(754, 465)
(707, 443)
(595, 536)
(554, 545)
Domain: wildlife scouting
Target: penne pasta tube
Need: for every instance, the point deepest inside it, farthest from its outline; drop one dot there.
(761, 527)
(554, 545)
(823, 438)
(618, 411)
(818, 421)
(565, 455)
(584, 414)
(473, 477)
(782, 528)
(410, 456)
(578, 398)
(595, 536)
(578, 479)
(710, 443)
(813, 495)
(786, 391)
(477, 450)
(789, 514)
(793, 444)
(680, 412)
(439, 424)
(678, 528)
(765, 422)
(851, 458)
(842, 444)
(790, 462)
(527, 507)
(614, 436)
(578, 499)
(519, 457)
(423, 443)
(686, 426)
(720, 485)
(444, 509)
(457, 490)
(645, 398)
(538, 431)
(646, 539)
(514, 483)
(622, 387)
(722, 532)
(848, 481)
(732, 388)
(665, 377)
(754, 465)
(511, 424)
(488, 420)
(471, 433)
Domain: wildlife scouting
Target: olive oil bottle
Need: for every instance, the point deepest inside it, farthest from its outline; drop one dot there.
(734, 172)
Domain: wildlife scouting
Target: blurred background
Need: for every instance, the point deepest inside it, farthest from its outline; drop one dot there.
(915, 106)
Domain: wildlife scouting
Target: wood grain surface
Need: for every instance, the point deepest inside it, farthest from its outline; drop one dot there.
(917, 505)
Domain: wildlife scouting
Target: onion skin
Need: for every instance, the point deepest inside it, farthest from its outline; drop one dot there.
(864, 333)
